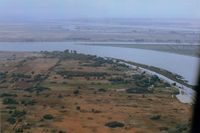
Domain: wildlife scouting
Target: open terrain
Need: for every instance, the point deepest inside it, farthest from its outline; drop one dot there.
(68, 92)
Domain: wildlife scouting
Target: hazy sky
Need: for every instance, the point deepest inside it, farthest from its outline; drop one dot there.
(52, 9)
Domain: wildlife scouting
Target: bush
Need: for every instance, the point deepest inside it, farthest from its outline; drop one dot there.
(18, 114)
(114, 124)
(175, 91)
(2, 75)
(19, 130)
(164, 128)
(61, 131)
(37, 89)
(14, 115)
(20, 75)
(8, 95)
(48, 117)
(11, 120)
(155, 117)
(137, 90)
(154, 78)
(69, 74)
(28, 102)
(118, 80)
(101, 90)
(11, 107)
(182, 127)
(39, 77)
(78, 108)
(76, 92)
(9, 101)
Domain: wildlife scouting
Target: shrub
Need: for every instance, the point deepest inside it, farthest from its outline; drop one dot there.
(48, 117)
(19, 130)
(164, 128)
(137, 90)
(37, 89)
(18, 114)
(101, 90)
(39, 77)
(11, 107)
(78, 108)
(76, 92)
(175, 91)
(167, 84)
(61, 131)
(155, 117)
(20, 75)
(14, 115)
(2, 75)
(9, 101)
(8, 95)
(28, 102)
(81, 74)
(180, 128)
(96, 111)
(118, 80)
(11, 120)
(114, 124)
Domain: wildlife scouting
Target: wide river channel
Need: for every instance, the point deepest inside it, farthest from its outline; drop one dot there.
(186, 66)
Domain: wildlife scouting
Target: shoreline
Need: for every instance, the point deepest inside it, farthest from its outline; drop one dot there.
(186, 93)
(166, 73)
(186, 49)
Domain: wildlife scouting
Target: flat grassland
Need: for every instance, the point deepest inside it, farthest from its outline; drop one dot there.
(67, 92)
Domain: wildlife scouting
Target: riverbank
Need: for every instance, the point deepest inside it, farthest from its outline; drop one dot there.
(175, 77)
(186, 94)
(186, 66)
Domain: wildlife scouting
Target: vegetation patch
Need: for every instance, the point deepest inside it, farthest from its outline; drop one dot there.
(102, 90)
(180, 128)
(138, 90)
(48, 117)
(114, 124)
(2, 75)
(11, 120)
(9, 101)
(16, 114)
(20, 75)
(155, 117)
(145, 81)
(8, 95)
(76, 92)
(118, 80)
(39, 77)
(37, 89)
(28, 102)
(81, 74)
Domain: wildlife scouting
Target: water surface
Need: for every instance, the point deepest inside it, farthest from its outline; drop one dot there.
(185, 66)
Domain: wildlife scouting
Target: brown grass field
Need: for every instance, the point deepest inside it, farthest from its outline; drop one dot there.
(79, 96)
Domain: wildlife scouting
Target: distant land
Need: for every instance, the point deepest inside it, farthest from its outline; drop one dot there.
(184, 49)
(176, 36)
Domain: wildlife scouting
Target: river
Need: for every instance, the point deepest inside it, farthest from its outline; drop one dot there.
(186, 66)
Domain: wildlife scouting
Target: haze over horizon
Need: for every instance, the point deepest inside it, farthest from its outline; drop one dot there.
(70, 9)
